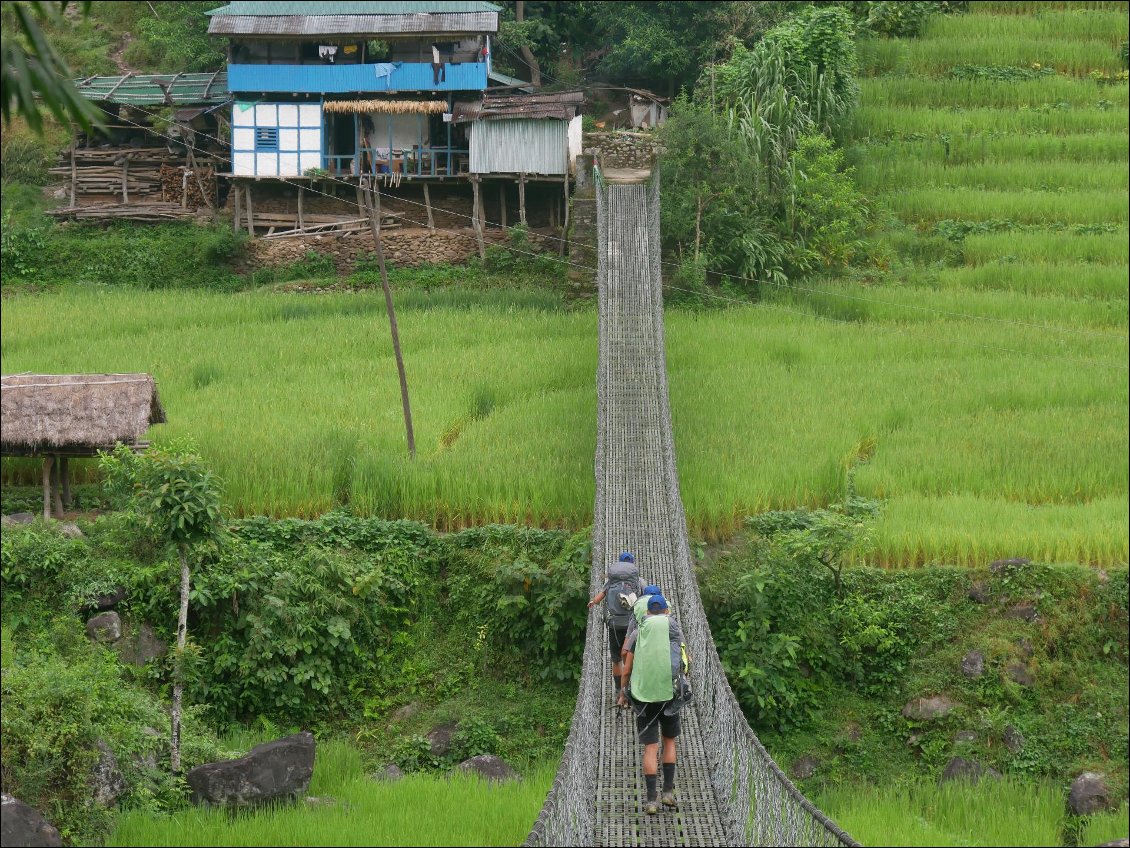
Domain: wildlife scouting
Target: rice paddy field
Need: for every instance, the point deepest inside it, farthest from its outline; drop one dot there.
(1001, 812)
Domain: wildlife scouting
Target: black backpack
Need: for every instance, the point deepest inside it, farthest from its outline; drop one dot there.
(623, 584)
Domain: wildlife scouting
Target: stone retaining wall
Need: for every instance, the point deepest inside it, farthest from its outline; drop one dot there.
(403, 247)
(622, 149)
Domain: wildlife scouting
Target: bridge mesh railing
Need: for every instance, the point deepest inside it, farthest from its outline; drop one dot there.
(737, 795)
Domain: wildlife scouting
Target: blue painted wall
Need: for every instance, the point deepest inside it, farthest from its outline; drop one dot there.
(354, 79)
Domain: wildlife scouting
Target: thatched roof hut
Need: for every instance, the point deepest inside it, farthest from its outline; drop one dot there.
(75, 414)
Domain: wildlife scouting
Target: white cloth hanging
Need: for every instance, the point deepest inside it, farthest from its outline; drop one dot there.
(327, 51)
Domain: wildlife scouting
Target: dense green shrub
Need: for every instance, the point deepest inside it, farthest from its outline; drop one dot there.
(528, 587)
(24, 159)
(63, 697)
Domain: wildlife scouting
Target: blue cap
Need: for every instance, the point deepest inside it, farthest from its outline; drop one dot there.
(657, 604)
(626, 556)
(652, 589)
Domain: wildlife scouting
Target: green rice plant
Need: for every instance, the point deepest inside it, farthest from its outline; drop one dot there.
(935, 56)
(1106, 827)
(1067, 279)
(351, 808)
(915, 121)
(1050, 248)
(992, 147)
(1072, 20)
(992, 812)
(983, 8)
(969, 94)
(876, 174)
(1028, 207)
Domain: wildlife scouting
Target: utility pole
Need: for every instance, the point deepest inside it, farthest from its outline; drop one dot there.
(371, 198)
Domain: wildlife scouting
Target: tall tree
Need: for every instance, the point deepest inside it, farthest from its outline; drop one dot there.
(527, 54)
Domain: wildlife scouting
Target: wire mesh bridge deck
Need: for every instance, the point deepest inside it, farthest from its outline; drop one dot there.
(730, 792)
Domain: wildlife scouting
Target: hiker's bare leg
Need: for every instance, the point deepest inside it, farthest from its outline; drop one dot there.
(668, 750)
(650, 758)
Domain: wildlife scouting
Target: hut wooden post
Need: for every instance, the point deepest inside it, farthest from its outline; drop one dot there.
(301, 220)
(375, 225)
(238, 211)
(48, 461)
(56, 485)
(125, 180)
(502, 204)
(360, 201)
(65, 479)
(522, 199)
(74, 171)
(477, 217)
(250, 212)
(184, 187)
(428, 206)
(565, 224)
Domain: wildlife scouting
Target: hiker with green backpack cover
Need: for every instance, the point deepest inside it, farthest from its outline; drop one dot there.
(655, 683)
(622, 585)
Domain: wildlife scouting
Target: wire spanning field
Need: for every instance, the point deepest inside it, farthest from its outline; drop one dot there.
(982, 452)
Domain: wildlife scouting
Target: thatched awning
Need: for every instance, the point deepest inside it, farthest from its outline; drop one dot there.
(75, 413)
(387, 107)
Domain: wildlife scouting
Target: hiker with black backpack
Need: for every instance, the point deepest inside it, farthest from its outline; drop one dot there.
(622, 585)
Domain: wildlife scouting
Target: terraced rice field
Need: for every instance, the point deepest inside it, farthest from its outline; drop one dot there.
(988, 367)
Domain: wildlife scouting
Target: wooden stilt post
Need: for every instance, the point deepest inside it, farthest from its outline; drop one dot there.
(125, 180)
(565, 224)
(522, 199)
(360, 201)
(250, 212)
(74, 171)
(373, 213)
(502, 204)
(56, 486)
(65, 479)
(477, 217)
(237, 210)
(301, 220)
(428, 206)
(48, 461)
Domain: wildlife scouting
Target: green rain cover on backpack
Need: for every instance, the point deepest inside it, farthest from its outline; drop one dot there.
(651, 665)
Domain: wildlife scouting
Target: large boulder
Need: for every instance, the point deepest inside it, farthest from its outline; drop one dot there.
(1013, 739)
(804, 767)
(980, 593)
(106, 781)
(404, 713)
(927, 709)
(960, 768)
(1025, 610)
(1019, 673)
(490, 767)
(71, 530)
(13, 520)
(21, 824)
(1089, 794)
(973, 664)
(105, 627)
(279, 770)
(107, 601)
(440, 738)
(139, 644)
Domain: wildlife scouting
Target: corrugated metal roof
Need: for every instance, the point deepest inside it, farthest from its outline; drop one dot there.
(157, 89)
(561, 106)
(394, 7)
(359, 25)
(519, 147)
(511, 82)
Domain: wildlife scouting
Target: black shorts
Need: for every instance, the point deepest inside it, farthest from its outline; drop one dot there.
(616, 635)
(651, 721)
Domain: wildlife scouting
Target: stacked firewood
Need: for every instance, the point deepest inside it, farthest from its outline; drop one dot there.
(190, 187)
(151, 212)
